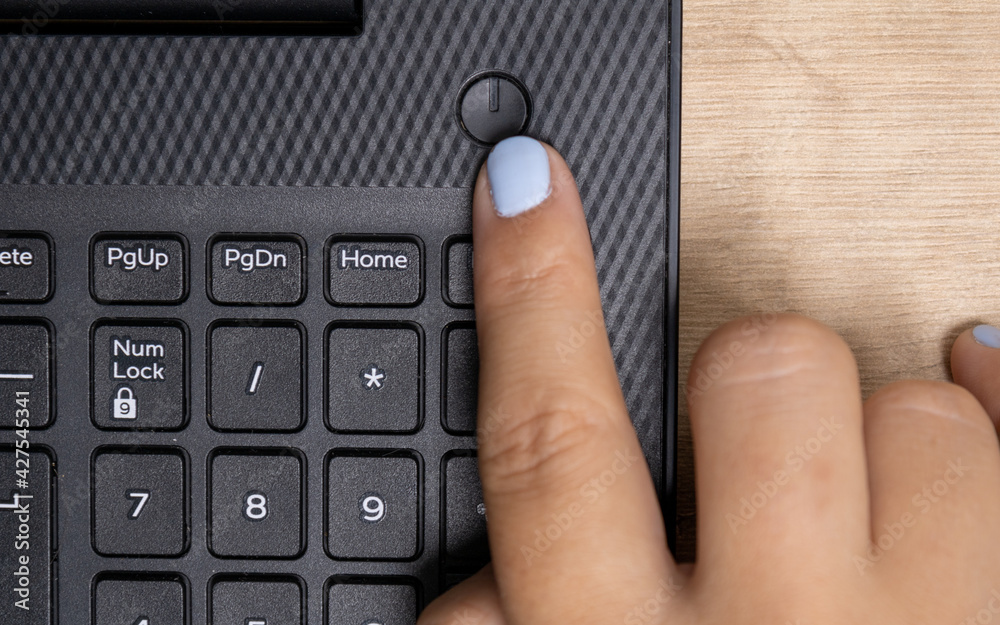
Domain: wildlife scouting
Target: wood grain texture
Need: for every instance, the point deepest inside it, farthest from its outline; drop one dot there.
(841, 159)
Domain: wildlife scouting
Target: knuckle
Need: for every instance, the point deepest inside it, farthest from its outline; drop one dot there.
(545, 276)
(549, 447)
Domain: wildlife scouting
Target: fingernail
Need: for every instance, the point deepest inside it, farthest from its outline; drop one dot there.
(518, 170)
(987, 335)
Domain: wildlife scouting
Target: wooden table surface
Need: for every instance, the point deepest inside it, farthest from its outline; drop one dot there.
(841, 159)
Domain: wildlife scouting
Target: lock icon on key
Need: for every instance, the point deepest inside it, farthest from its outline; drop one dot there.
(123, 407)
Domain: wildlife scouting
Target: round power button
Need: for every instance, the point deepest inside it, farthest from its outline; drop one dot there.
(493, 106)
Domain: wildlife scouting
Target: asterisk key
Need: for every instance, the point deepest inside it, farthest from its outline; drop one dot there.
(374, 378)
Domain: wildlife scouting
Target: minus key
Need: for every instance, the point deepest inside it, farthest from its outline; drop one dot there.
(26, 367)
(17, 376)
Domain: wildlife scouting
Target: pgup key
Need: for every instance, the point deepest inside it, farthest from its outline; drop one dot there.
(127, 269)
(130, 259)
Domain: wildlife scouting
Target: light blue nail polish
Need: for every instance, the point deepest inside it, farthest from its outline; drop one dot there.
(520, 180)
(987, 335)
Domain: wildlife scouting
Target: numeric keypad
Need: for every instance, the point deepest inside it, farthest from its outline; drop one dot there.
(156, 380)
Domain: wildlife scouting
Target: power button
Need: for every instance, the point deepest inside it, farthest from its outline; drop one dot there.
(493, 106)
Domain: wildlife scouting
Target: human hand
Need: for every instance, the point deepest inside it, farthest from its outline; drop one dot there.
(814, 508)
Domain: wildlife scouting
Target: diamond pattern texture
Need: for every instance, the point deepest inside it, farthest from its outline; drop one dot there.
(375, 110)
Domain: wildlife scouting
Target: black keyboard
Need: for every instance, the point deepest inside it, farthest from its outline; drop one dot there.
(251, 419)
(238, 364)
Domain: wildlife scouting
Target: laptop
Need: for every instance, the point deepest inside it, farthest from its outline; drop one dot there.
(238, 361)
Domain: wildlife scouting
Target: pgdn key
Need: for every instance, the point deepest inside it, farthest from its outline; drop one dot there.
(250, 271)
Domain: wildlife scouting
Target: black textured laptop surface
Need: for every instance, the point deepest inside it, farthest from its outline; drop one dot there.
(237, 343)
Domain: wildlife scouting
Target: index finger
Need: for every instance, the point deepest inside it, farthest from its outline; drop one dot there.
(570, 498)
